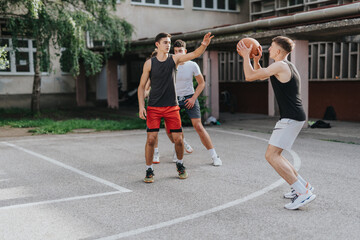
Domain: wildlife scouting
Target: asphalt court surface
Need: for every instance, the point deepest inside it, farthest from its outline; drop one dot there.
(90, 186)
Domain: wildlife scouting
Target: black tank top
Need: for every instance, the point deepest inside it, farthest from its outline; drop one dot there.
(162, 77)
(288, 95)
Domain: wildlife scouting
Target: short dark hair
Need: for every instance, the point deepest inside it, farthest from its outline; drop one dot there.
(285, 43)
(180, 43)
(161, 35)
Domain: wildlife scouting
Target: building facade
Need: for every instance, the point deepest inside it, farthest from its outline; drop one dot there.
(148, 18)
(328, 53)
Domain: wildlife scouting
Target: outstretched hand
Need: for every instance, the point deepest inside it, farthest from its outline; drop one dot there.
(207, 39)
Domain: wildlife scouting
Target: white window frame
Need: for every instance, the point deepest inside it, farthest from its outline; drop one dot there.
(215, 8)
(12, 61)
(157, 4)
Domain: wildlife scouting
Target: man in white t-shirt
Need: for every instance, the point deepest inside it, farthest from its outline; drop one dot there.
(187, 98)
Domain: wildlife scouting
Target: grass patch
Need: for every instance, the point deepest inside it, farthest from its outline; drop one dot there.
(62, 127)
(64, 121)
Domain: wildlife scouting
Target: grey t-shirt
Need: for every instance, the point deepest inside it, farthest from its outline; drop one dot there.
(184, 78)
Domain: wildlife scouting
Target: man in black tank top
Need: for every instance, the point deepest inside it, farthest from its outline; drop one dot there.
(161, 69)
(285, 81)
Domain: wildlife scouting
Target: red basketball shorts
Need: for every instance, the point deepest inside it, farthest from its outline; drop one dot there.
(171, 117)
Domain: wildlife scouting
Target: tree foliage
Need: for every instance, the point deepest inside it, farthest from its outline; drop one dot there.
(64, 26)
(4, 63)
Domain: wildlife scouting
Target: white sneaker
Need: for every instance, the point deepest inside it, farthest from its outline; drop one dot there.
(216, 161)
(300, 200)
(174, 157)
(292, 193)
(156, 158)
(187, 147)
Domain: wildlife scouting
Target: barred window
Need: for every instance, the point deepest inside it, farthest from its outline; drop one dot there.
(334, 60)
(160, 3)
(215, 5)
(231, 65)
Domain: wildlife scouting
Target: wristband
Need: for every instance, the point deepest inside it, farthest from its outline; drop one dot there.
(202, 43)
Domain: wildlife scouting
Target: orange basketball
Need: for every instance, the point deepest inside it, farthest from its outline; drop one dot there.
(254, 42)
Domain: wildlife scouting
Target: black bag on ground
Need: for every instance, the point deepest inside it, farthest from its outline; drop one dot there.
(320, 124)
(330, 113)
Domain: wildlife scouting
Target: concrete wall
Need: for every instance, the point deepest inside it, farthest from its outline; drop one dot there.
(53, 100)
(149, 21)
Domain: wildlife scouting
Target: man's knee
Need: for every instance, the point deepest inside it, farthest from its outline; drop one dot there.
(271, 154)
(268, 156)
(177, 138)
(198, 126)
(151, 140)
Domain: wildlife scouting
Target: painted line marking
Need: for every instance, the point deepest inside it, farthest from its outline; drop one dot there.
(75, 170)
(297, 164)
(58, 200)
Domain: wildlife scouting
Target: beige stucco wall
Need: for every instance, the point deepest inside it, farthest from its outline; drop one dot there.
(148, 20)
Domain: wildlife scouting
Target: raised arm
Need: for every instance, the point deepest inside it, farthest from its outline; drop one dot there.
(141, 89)
(197, 53)
(258, 73)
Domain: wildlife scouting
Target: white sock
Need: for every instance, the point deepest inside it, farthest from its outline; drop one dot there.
(180, 161)
(156, 150)
(212, 152)
(302, 180)
(299, 187)
(149, 166)
(184, 141)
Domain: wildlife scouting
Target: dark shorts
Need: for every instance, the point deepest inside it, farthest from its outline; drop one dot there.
(193, 112)
(171, 117)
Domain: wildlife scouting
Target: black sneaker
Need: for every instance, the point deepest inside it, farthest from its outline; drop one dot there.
(181, 169)
(149, 178)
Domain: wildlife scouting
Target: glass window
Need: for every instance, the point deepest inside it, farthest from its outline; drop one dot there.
(197, 3)
(23, 44)
(209, 3)
(221, 4)
(2, 68)
(22, 62)
(162, 3)
(232, 4)
(4, 42)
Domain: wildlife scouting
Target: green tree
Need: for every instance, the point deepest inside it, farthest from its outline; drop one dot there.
(4, 63)
(64, 25)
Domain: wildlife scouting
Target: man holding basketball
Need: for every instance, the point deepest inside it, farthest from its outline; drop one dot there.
(285, 81)
(161, 69)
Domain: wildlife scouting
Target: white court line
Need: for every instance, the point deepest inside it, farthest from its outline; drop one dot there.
(58, 200)
(60, 164)
(297, 164)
